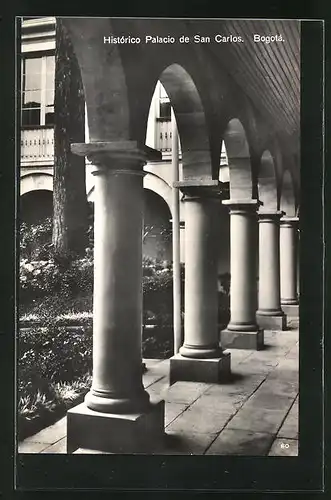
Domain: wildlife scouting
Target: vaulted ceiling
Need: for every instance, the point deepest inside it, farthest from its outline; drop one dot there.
(269, 73)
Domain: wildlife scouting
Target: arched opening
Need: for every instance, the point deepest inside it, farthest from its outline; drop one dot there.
(287, 198)
(36, 181)
(157, 228)
(36, 206)
(267, 183)
(239, 162)
(159, 186)
(176, 89)
(157, 278)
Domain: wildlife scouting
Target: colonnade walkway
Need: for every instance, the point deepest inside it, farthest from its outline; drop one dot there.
(255, 413)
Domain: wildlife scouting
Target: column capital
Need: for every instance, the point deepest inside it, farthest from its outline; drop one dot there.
(268, 215)
(201, 189)
(110, 155)
(289, 221)
(242, 205)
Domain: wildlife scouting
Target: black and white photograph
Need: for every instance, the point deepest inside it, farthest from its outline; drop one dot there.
(159, 231)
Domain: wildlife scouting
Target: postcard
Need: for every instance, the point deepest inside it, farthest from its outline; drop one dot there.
(163, 247)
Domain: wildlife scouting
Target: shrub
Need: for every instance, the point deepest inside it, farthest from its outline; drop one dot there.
(36, 239)
(38, 278)
(43, 277)
(158, 342)
(52, 354)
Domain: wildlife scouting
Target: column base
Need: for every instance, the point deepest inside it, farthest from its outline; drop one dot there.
(291, 310)
(114, 433)
(271, 321)
(231, 339)
(212, 370)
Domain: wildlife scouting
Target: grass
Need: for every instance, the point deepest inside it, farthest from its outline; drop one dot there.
(56, 306)
(38, 410)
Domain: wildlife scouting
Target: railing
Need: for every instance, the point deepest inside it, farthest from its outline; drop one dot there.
(37, 145)
(163, 135)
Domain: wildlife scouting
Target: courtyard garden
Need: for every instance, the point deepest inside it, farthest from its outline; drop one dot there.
(55, 311)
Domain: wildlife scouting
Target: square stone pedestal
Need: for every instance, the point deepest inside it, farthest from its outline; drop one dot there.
(242, 340)
(271, 322)
(291, 310)
(212, 370)
(114, 433)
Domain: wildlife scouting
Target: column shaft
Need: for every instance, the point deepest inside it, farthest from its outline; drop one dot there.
(201, 358)
(288, 261)
(269, 266)
(117, 292)
(243, 270)
(269, 314)
(242, 331)
(116, 415)
(200, 324)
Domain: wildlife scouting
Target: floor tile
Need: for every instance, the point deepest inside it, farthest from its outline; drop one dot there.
(241, 442)
(58, 447)
(85, 451)
(219, 403)
(242, 386)
(267, 401)
(150, 378)
(201, 421)
(173, 410)
(51, 434)
(158, 389)
(185, 392)
(257, 420)
(187, 443)
(290, 427)
(31, 447)
(279, 387)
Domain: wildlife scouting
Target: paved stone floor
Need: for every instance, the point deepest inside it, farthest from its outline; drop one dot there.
(255, 414)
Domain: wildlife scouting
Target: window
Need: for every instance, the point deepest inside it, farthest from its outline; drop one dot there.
(165, 110)
(165, 106)
(38, 75)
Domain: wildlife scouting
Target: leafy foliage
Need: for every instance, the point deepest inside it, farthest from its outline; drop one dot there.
(35, 240)
(52, 354)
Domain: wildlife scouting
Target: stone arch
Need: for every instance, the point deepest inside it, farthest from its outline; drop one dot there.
(36, 181)
(158, 186)
(104, 79)
(238, 154)
(267, 181)
(287, 195)
(190, 116)
(153, 183)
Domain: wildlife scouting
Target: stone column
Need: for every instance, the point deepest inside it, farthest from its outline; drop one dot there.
(288, 265)
(116, 415)
(269, 315)
(243, 332)
(200, 358)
